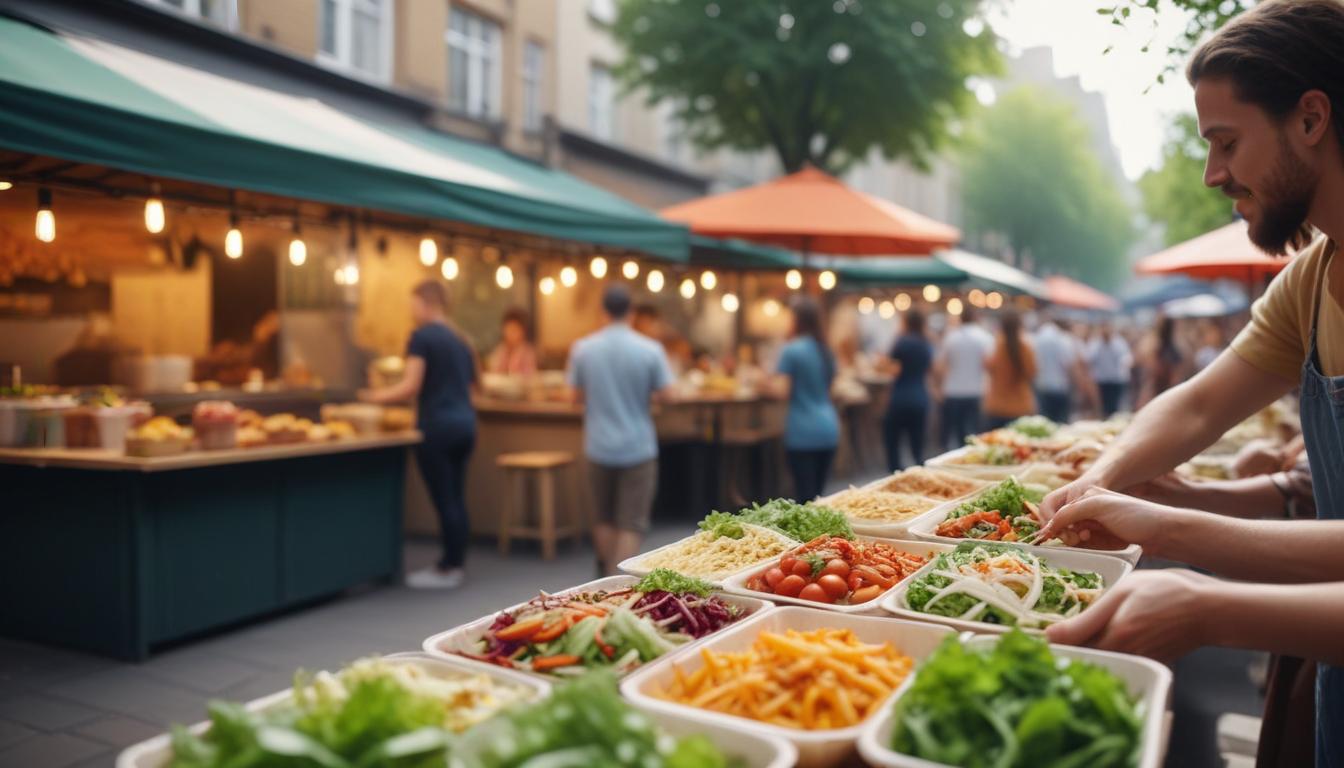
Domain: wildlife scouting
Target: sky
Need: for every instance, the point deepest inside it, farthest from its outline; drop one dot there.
(1079, 37)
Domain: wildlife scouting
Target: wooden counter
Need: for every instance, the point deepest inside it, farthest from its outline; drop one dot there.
(86, 458)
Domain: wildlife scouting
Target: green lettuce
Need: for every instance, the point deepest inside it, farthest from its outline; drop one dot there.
(800, 522)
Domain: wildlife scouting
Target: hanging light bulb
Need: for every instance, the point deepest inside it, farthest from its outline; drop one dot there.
(655, 280)
(730, 302)
(886, 310)
(233, 239)
(794, 279)
(429, 251)
(903, 302)
(826, 280)
(954, 306)
(994, 300)
(708, 280)
(569, 277)
(630, 269)
(546, 286)
(770, 308)
(976, 297)
(932, 293)
(866, 305)
(154, 215)
(45, 226)
(449, 268)
(504, 276)
(298, 250)
(687, 288)
(598, 267)
(6, 185)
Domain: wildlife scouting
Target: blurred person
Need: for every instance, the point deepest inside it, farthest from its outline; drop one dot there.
(515, 355)
(907, 415)
(617, 373)
(647, 321)
(1210, 345)
(1161, 360)
(959, 369)
(1109, 359)
(804, 374)
(440, 375)
(1012, 368)
(1057, 370)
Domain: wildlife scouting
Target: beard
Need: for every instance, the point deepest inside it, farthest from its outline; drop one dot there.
(1284, 200)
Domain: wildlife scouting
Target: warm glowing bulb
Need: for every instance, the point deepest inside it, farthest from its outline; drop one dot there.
(154, 216)
(826, 280)
(932, 293)
(655, 280)
(6, 185)
(976, 297)
(569, 276)
(866, 305)
(994, 300)
(298, 252)
(233, 243)
(46, 225)
(504, 276)
(903, 302)
(429, 251)
(449, 268)
(794, 279)
(770, 308)
(630, 269)
(708, 280)
(688, 288)
(598, 266)
(348, 274)
(730, 302)
(886, 310)
(547, 286)
(954, 307)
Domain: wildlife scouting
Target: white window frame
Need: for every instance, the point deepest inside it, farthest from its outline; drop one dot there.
(534, 82)
(343, 58)
(193, 10)
(605, 130)
(475, 104)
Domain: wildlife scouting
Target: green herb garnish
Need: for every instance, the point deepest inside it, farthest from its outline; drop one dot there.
(668, 580)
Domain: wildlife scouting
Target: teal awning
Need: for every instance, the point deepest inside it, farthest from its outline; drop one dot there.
(94, 102)
(731, 253)
(895, 271)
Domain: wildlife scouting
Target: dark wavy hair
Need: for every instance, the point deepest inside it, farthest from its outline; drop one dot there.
(807, 322)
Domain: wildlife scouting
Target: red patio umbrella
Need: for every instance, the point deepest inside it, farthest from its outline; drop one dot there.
(1226, 252)
(1071, 293)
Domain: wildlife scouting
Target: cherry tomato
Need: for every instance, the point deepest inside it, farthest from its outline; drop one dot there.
(790, 586)
(836, 567)
(815, 593)
(865, 594)
(802, 568)
(854, 581)
(773, 577)
(786, 564)
(834, 585)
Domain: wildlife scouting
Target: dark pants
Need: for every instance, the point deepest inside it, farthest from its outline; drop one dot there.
(961, 419)
(1054, 405)
(809, 470)
(443, 464)
(1111, 393)
(905, 422)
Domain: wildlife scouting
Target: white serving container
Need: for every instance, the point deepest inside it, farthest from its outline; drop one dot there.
(158, 752)
(737, 584)
(1146, 680)
(756, 750)
(1111, 570)
(989, 472)
(635, 565)
(895, 529)
(818, 748)
(462, 638)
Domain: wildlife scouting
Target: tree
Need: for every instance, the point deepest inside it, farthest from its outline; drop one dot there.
(1029, 174)
(818, 82)
(1174, 193)
(1205, 16)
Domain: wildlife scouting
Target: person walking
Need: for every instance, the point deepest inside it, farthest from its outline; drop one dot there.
(1057, 364)
(1109, 359)
(617, 373)
(804, 374)
(440, 375)
(908, 406)
(960, 370)
(1011, 369)
(1163, 362)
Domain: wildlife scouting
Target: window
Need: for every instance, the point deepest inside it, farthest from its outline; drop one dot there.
(534, 58)
(601, 102)
(356, 36)
(221, 12)
(473, 64)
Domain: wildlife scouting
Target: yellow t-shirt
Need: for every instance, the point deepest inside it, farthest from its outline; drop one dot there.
(1279, 335)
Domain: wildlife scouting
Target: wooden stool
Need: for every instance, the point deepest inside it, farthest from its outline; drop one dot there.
(545, 467)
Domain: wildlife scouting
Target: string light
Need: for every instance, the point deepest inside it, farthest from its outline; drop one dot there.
(298, 250)
(708, 280)
(994, 300)
(730, 302)
(954, 307)
(598, 267)
(903, 301)
(826, 280)
(45, 226)
(504, 276)
(429, 251)
(976, 297)
(546, 286)
(348, 274)
(655, 280)
(569, 277)
(770, 308)
(866, 305)
(886, 310)
(154, 215)
(233, 239)
(687, 288)
(794, 279)
(449, 268)
(6, 185)
(630, 269)
(932, 293)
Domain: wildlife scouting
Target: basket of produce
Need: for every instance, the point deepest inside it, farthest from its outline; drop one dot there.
(160, 436)
(285, 428)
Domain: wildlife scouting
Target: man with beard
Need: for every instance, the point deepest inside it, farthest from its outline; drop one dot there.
(1269, 90)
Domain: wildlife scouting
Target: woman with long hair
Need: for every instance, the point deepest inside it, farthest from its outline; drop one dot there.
(908, 406)
(812, 431)
(1163, 363)
(1012, 368)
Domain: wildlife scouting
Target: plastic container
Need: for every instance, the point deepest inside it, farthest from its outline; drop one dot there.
(463, 638)
(636, 565)
(1147, 680)
(755, 750)
(366, 418)
(114, 424)
(815, 748)
(157, 752)
(1111, 570)
(990, 472)
(897, 529)
(215, 423)
(81, 428)
(737, 584)
(46, 423)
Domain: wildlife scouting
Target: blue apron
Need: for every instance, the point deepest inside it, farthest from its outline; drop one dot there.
(1322, 412)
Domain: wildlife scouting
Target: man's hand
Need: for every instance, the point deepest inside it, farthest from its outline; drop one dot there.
(1159, 614)
(1171, 488)
(1109, 520)
(1067, 494)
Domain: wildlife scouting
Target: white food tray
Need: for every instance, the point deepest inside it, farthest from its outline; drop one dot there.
(635, 565)
(990, 472)
(1146, 680)
(463, 638)
(756, 750)
(158, 751)
(815, 748)
(898, 529)
(1111, 570)
(737, 585)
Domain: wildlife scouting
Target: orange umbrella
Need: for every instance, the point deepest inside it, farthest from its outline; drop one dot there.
(1071, 293)
(1224, 252)
(813, 212)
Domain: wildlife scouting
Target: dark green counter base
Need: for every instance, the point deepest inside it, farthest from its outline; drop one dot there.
(116, 562)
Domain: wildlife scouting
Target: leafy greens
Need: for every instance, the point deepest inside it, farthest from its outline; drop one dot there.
(800, 522)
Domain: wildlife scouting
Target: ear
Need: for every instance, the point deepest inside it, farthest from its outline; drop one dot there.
(1314, 116)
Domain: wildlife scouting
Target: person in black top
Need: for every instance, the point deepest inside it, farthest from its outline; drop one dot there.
(908, 407)
(440, 373)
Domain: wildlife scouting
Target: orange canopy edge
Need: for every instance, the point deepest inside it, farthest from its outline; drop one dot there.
(1071, 293)
(1226, 252)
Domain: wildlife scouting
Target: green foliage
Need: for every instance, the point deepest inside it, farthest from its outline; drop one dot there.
(801, 522)
(1174, 194)
(818, 82)
(1205, 16)
(1029, 173)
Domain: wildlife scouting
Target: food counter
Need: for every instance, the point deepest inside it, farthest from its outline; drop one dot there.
(135, 552)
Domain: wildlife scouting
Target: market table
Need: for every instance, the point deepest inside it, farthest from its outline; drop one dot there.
(117, 554)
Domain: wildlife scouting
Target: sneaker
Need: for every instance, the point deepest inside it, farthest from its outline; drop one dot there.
(433, 578)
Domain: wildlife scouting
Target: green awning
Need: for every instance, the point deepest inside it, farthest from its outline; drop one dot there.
(94, 102)
(874, 272)
(739, 254)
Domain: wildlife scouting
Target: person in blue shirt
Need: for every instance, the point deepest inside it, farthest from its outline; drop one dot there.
(617, 373)
(908, 407)
(440, 374)
(812, 430)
